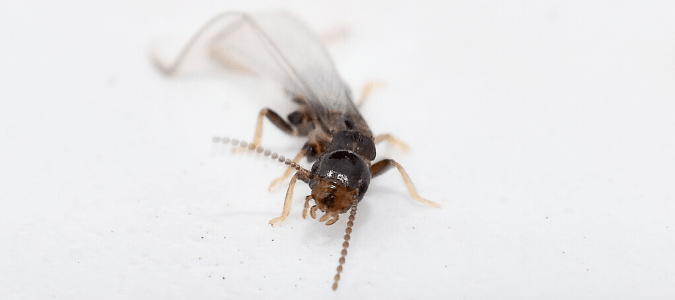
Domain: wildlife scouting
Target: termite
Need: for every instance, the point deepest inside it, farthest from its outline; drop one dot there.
(339, 141)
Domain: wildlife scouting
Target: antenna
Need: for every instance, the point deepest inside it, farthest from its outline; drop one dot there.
(304, 172)
(264, 151)
(345, 245)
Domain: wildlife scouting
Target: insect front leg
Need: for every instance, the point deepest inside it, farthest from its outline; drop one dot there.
(275, 119)
(385, 165)
(287, 202)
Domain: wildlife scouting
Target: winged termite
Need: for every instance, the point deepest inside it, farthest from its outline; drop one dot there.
(339, 141)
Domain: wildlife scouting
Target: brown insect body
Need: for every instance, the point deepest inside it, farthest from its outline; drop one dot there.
(339, 140)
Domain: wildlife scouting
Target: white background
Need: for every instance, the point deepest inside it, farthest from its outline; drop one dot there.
(545, 129)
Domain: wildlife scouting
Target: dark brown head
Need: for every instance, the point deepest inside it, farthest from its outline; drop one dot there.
(340, 180)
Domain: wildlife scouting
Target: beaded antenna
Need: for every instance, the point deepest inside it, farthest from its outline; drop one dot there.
(312, 211)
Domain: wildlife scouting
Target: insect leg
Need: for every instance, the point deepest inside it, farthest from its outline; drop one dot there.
(275, 119)
(304, 210)
(386, 164)
(366, 90)
(289, 170)
(287, 202)
(392, 140)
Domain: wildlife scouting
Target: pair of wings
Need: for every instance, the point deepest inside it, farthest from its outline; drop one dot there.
(279, 46)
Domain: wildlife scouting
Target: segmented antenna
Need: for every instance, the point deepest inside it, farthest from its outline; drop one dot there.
(345, 245)
(290, 163)
(261, 150)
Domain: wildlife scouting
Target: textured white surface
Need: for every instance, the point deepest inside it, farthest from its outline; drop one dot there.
(546, 130)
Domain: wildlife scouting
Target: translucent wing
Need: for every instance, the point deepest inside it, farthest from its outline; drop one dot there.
(279, 46)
